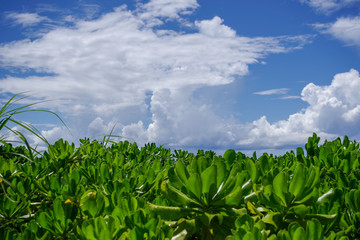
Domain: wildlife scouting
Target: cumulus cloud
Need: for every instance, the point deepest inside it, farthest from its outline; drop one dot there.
(26, 19)
(101, 71)
(328, 6)
(215, 28)
(179, 120)
(119, 70)
(332, 111)
(346, 29)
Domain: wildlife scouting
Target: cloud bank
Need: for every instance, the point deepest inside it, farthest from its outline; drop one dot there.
(125, 69)
(333, 111)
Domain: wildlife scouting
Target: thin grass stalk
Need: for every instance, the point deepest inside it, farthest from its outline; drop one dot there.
(7, 115)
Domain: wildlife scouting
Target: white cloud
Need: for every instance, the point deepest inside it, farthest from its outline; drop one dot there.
(344, 29)
(215, 28)
(328, 6)
(102, 71)
(26, 19)
(171, 9)
(333, 111)
(290, 97)
(179, 120)
(273, 91)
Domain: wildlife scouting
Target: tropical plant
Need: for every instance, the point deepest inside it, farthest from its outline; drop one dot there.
(123, 191)
(9, 111)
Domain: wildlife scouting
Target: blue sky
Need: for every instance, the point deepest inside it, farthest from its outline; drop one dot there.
(215, 74)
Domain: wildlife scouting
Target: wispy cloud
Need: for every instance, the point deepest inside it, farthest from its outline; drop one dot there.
(276, 91)
(328, 6)
(170, 9)
(346, 29)
(26, 19)
(290, 97)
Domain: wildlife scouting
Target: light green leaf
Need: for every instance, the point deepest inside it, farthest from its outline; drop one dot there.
(297, 184)
(314, 230)
(301, 210)
(220, 172)
(181, 171)
(177, 196)
(230, 156)
(280, 186)
(44, 220)
(234, 198)
(208, 177)
(252, 169)
(194, 185)
(59, 212)
(249, 236)
(299, 234)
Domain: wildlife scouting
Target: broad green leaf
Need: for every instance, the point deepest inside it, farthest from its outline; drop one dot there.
(283, 235)
(270, 218)
(249, 236)
(230, 156)
(20, 187)
(220, 172)
(252, 169)
(174, 179)
(264, 164)
(105, 234)
(352, 199)
(234, 198)
(297, 184)
(293, 227)
(208, 178)
(313, 178)
(230, 182)
(194, 185)
(181, 171)
(301, 210)
(177, 196)
(59, 212)
(280, 187)
(357, 200)
(44, 220)
(314, 230)
(104, 172)
(299, 234)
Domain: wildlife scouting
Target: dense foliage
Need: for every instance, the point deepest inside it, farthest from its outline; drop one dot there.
(121, 191)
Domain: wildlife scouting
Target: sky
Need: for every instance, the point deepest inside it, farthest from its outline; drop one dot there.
(187, 74)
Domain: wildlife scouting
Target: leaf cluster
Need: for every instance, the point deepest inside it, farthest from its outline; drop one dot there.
(121, 191)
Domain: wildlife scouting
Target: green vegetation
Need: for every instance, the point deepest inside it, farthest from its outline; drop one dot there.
(11, 109)
(121, 191)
